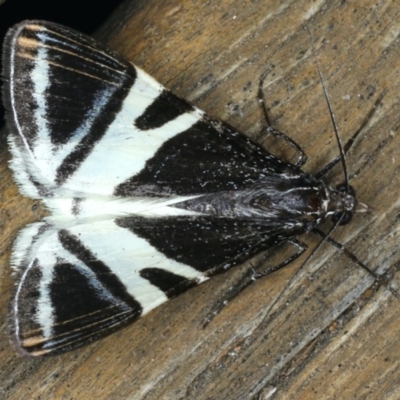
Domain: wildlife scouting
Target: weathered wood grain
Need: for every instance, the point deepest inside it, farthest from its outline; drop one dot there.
(333, 334)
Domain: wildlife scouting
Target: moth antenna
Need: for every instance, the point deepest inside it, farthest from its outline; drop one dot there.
(325, 237)
(342, 157)
(331, 113)
(351, 141)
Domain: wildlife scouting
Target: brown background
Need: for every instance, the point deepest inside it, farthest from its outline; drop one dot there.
(334, 333)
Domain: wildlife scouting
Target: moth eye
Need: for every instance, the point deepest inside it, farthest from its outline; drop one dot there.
(343, 187)
(347, 216)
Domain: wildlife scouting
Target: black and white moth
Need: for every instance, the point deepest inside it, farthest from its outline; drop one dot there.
(148, 195)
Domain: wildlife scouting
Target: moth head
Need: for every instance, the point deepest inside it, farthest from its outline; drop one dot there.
(343, 203)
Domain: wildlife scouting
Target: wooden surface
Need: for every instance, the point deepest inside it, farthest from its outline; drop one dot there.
(333, 334)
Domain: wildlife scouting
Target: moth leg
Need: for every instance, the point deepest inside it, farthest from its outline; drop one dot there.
(302, 157)
(249, 277)
(379, 279)
(301, 248)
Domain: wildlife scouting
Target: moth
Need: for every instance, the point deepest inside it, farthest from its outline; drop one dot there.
(148, 195)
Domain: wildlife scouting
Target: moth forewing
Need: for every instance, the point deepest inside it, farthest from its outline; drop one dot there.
(148, 195)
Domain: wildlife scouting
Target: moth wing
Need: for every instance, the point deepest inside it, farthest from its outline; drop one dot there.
(85, 121)
(82, 283)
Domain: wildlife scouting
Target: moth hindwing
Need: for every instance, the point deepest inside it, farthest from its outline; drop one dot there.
(148, 195)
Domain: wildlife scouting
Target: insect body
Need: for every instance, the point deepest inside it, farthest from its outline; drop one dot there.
(148, 195)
